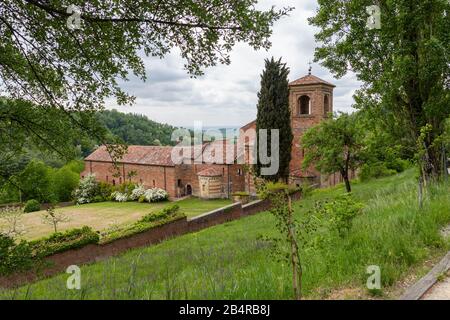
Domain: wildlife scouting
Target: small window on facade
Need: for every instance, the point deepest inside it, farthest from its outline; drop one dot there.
(179, 183)
(239, 172)
(114, 182)
(140, 180)
(120, 180)
(154, 183)
(304, 105)
(107, 178)
(326, 104)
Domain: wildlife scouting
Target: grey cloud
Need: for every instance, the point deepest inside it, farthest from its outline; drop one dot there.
(227, 94)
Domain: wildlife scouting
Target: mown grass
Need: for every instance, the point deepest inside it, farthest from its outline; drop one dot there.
(228, 262)
(103, 215)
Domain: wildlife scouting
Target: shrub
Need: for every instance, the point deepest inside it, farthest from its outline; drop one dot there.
(341, 212)
(137, 192)
(148, 222)
(163, 214)
(64, 181)
(87, 190)
(35, 181)
(32, 206)
(119, 196)
(156, 195)
(126, 187)
(104, 191)
(63, 241)
(14, 257)
(375, 170)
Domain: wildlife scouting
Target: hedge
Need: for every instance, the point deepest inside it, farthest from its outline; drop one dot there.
(150, 221)
(63, 241)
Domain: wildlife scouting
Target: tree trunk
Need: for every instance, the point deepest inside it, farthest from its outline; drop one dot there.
(344, 174)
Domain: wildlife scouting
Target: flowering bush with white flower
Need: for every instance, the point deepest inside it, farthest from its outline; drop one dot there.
(155, 195)
(119, 196)
(87, 189)
(137, 192)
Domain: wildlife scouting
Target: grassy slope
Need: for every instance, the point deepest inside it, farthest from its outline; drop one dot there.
(227, 261)
(102, 215)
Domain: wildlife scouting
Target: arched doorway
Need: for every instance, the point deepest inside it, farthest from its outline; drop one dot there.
(188, 190)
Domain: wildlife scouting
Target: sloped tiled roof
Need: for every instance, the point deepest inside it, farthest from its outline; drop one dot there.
(310, 79)
(150, 155)
(210, 172)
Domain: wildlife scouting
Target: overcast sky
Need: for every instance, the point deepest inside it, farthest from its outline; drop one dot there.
(226, 94)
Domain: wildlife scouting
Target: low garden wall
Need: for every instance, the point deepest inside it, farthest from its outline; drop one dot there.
(95, 252)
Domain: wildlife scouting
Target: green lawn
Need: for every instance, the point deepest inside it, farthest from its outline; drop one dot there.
(229, 262)
(103, 215)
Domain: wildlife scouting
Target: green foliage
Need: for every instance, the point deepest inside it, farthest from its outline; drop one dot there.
(87, 190)
(375, 170)
(15, 257)
(333, 146)
(274, 113)
(135, 129)
(63, 241)
(32, 205)
(403, 66)
(163, 214)
(35, 182)
(64, 182)
(167, 215)
(205, 32)
(228, 262)
(340, 213)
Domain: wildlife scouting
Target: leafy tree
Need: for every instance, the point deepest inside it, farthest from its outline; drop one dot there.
(136, 129)
(287, 248)
(333, 146)
(65, 70)
(403, 65)
(64, 181)
(274, 113)
(54, 218)
(35, 182)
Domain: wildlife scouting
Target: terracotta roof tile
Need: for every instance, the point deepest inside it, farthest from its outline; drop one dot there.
(151, 155)
(310, 79)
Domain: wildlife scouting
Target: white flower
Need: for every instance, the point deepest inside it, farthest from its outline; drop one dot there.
(137, 192)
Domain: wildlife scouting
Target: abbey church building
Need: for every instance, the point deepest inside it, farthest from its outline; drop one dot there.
(310, 101)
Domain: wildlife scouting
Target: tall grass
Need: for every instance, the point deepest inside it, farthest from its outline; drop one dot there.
(228, 262)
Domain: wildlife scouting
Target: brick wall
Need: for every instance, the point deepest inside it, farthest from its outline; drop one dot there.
(93, 252)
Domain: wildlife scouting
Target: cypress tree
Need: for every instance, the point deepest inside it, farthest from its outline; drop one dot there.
(274, 113)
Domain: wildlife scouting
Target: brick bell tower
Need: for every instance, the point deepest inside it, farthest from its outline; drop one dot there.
(310, 101)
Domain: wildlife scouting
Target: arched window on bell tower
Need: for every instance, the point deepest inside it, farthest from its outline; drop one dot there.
(326, 105)
(304, 105)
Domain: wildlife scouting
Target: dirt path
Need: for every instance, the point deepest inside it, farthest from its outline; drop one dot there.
(440, 291)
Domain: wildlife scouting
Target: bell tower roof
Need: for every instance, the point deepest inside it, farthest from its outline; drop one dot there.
(310, 79)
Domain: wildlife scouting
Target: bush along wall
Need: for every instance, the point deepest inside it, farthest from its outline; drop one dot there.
(150, 221)
(63, 241)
